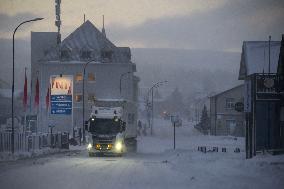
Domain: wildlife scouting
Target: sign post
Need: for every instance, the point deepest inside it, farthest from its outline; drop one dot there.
(174, 119)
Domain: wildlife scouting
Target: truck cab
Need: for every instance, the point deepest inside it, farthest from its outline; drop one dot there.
(107, 131)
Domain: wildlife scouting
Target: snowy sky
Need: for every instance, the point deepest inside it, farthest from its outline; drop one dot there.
(185, 24)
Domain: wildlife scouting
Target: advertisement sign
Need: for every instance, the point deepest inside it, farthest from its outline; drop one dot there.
(267, 87)
(61, 95)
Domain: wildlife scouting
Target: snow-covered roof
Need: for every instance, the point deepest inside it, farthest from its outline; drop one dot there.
(87, 38)
(226, 91)
(255, 57)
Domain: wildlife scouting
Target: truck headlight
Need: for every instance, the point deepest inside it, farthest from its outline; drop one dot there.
(89, 146)
(118, 145)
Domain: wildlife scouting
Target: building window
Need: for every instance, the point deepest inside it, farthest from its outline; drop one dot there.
(79, 77)
(78, 97)
(230, 103)
(91, 77)
(91, 97)
(64, 54)
(106, 55)
(86, 55)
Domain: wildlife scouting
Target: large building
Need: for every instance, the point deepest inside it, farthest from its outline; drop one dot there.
(262, 100)
(57, 69)
(224, 119)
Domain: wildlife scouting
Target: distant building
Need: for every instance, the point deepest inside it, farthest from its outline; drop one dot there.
(105, 77)
(262, 101)
(224, 119)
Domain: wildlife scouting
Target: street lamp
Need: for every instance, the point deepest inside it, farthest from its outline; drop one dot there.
(121, 79)
(83, 93)
(13, 80)
(156, 85)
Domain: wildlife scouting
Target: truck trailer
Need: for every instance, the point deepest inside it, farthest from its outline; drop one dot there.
(112, 128)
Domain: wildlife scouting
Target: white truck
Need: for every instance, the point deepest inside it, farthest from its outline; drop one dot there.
(112, 128)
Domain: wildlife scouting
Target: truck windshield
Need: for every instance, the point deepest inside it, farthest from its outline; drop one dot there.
(105, 126)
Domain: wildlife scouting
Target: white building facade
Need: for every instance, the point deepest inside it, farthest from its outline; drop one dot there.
(109, 74)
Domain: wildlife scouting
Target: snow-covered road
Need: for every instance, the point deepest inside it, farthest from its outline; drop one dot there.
(156, 165)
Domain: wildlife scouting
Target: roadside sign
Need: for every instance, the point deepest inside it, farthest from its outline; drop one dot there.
(59, 105)
(61, 95)
(61, 111)
(60, 98)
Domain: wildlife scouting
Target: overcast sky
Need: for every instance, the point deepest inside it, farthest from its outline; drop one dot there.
(185, 24)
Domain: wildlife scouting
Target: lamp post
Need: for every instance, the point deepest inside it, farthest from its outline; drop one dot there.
(83, 94)
(13, 80)
(156, 85)
(121, 79)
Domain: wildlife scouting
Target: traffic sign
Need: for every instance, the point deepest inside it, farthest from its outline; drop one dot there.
(61, 111)
(58, 105)
(61, 98)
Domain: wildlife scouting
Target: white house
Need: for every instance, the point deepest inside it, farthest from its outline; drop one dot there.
(109, 75)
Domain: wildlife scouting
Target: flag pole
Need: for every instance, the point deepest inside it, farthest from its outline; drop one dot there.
(25, 102)
(37, 96)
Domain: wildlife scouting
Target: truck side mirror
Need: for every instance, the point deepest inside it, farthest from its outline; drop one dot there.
(86, 125)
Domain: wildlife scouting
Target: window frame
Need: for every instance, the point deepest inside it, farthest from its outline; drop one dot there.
(81, 97)
(94, 76)
(77, 75)
(230, 103)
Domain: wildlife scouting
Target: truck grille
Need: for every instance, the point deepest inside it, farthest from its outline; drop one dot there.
(103, 144)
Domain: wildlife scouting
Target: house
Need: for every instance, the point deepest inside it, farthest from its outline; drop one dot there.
(262, 102)
(224, 119)
(58, 68)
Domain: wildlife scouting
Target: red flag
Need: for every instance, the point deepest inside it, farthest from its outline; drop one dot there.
(37, 93)
(47, 99)
(25, 98)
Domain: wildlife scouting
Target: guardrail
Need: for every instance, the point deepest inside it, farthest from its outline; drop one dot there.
(29, 142)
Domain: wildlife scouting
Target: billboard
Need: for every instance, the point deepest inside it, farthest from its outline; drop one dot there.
(61, 94)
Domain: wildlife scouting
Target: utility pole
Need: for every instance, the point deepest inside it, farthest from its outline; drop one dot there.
(83, 98)
(174, 135)
(156, 85)
(152, 110)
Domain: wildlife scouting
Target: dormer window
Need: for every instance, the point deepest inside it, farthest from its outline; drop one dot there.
(106, 55)
(65, 53)
(86, 54)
